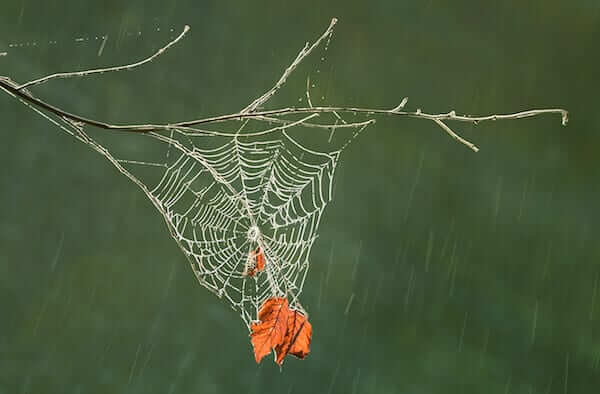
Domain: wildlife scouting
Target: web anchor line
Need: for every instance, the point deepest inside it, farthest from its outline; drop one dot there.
(224, 195)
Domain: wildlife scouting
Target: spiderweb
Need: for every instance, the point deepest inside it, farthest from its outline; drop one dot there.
(223, 195)
(243, 182)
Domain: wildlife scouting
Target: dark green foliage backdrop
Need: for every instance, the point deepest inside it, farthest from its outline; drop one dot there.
(459, 272)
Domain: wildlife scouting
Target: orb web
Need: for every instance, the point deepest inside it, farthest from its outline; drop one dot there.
(223, 203)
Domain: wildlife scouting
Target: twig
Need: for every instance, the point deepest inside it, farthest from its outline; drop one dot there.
(303, 53)
(86, 73)
(339, 117)
(456, 136)
(400, 106)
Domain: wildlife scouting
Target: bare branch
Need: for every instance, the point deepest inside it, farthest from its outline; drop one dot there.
(250, 112)
(86, 73)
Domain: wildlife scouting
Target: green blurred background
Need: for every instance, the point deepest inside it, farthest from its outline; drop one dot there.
(437, 270)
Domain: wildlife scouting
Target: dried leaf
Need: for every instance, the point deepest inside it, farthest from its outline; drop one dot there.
(256, 262)
(261, 262)
(297, 338)
(270, 331)
(285, 330)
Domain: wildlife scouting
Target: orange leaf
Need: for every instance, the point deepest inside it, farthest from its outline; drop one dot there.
(256, 262)
(272, 328)
(261, 262)
(297, 338)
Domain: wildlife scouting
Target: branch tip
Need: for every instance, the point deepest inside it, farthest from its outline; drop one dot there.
(86, 73)
(565, 117)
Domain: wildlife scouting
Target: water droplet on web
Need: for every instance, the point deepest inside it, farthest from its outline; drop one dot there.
(81, 40)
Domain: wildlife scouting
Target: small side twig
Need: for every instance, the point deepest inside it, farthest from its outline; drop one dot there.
(456, 136)
(400, 106)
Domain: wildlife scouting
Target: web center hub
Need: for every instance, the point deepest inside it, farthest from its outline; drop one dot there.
(253, 233)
